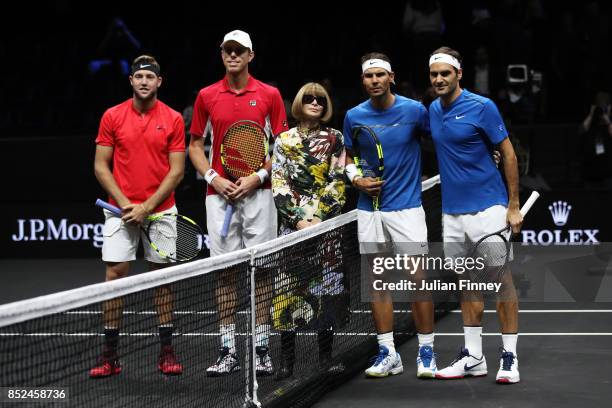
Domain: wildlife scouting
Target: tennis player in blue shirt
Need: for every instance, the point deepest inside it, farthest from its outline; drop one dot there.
(466, 128)
(397, 121)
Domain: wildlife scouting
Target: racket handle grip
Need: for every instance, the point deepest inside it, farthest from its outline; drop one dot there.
(229, 211)
(529, 203)
(109, 207)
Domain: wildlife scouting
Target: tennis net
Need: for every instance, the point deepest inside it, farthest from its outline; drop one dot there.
(311, 290)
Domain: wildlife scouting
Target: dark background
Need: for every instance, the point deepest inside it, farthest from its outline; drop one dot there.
(52, 98)
(46, 49)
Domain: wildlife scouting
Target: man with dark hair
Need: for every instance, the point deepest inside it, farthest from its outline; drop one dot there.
(397, 122)
(466, 128)
(140, 159)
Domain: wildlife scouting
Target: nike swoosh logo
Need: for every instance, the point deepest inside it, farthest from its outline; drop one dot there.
(145, 65)
(437, 58)
(459, 117)
(372, 62)
(468, 368)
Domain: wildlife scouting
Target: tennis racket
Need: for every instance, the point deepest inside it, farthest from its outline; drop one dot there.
(173, 236)
(369, 160)
(495, 249)
(244, 149)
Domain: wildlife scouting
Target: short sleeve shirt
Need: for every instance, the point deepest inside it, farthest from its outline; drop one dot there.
(217, 107)
(398, 129)
(464, 135)
(141, 145)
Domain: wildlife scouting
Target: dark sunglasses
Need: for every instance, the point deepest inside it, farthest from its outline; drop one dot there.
(238, 49)
(321, 100)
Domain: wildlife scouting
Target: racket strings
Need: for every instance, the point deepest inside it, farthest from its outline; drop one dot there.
(369, 153)
(366, 168)
(243, 150)
(176, 238)
(494, 252)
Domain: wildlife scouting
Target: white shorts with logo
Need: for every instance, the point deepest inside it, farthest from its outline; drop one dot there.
(461, 231)
(121, 239)
(405, 229)
(253, 222)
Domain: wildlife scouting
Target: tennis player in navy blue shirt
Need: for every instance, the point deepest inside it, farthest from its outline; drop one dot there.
(397, 122)
(465, 128)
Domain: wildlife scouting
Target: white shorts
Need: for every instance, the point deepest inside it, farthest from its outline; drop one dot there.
(461, 231)
(405, 229)
(121, 239)
(253, 222)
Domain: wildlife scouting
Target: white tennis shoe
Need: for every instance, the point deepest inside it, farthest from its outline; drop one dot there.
(385, 364)
(508, 369)
(226, 364)
(426, 362)
(464, 365)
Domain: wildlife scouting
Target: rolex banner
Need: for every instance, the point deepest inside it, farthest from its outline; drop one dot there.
(568, 218)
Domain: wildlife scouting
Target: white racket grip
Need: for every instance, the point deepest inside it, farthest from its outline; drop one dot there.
(229, 211)
(529, 203)
(109, 207)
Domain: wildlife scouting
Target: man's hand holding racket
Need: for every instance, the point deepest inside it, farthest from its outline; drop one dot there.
(224, 187)
(134, 213)
(514, 217)
(495, 248)
(173, 236)
(369, 185)
(369, 160)
(244, 187)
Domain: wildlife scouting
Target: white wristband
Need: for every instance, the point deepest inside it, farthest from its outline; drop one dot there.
(352, 172)
(262, 174)
(210, 175)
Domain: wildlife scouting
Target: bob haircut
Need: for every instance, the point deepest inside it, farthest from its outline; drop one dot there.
(316, 89)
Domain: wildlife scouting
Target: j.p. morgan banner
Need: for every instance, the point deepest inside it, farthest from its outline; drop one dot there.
(569, 218)
(66, 230)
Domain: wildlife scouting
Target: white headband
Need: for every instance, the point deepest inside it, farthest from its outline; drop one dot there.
(448, 59)
(375, 63)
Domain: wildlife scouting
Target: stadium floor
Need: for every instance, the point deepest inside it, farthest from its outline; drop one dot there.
(565, 350)
(27, 278)
(564, 360)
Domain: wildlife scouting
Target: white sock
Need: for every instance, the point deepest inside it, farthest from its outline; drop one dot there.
(426, 339)
(262, 335)
(386, 339)
(228, 336)
(510, 341)
(473, 340)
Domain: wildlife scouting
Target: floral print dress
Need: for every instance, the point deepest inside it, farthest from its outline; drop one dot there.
(308, 175)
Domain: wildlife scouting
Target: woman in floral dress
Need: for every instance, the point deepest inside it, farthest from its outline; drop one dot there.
(308, 187)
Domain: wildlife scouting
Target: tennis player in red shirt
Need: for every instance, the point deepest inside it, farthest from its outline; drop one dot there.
(140, 159)
(238, 96)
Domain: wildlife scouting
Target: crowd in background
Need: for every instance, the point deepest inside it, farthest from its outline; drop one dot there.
(63, 65)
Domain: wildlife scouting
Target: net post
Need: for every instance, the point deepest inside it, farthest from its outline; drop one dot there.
(251, 350)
